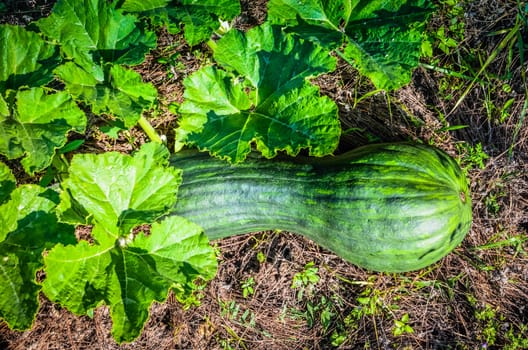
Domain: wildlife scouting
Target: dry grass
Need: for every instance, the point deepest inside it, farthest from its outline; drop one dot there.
(471, 299)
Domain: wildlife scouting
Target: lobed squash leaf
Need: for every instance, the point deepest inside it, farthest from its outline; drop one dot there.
(132, 190)
(26, 60)
(92, 32)
(261, 96)
(129, 277)
(143, 5)
(381, 38)
(39, 124)
(28, 225)
(7, 182)
(4, 107)
(121, 92)
(124, 269)
(199, 18)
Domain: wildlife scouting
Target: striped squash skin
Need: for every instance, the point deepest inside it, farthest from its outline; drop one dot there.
(385, 207)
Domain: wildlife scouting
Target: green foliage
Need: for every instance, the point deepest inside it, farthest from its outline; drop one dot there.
(7, 182)
(28, 226)
(473, 156)
(260, 96)
(305, 280)
(126, 270)
(234, 311)
(490, 322)
(402, 326)
(447, 38)
(370, 302)
(121, 92)
(248, 287)
(33, 121)
(38, 125)
(341, 333)
(199, 18)
(382, 39)
(498, 241)
(132, 191)
(104, 39)
(126, 265)
(261, 257)
(94, 32)
(26, 60)
(129, 273)
(517, 339)
(317, 311)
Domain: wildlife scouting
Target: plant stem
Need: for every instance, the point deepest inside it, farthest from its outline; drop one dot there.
(447, 72)
(502, 45)
(523, 78)
(149, 130)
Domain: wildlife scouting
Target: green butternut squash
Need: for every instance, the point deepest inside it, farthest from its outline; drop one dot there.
(385, 207)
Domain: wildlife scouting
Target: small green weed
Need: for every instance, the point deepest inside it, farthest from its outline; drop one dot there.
(402, 326)
(517, 340)
(174, 65)
(515, 242)
(305, 280)
(341, 333)
(505, 111)
(491, 324)
(321, 311)
(446, 38)
(248, 287)
(261, 257)
(472, 156)
(370, 303)
(234, 312)
(492, 204)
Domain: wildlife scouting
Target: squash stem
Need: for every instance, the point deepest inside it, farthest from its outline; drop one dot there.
(149, 130)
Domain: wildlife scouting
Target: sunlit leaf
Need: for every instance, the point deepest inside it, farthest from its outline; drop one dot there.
(382, 38)
(28, 225)
(39, 125)
(262, 97)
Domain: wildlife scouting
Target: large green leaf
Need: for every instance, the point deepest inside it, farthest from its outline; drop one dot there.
(143, 5)
(121, 191)
(199, 18)
(127, 270)
(7, 182)
(129, 276)
(272, 62)
(92, 32)
(28, 225)
(4, 107)
(264, 98)
(38, 126)
(25, 59)
(382, 38)
(121, 92)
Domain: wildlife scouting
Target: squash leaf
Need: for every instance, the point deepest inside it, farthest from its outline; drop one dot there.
(199, 18)
(131, 191)
(123, 269)
(381, 38)
(93, 32)
(7, 182)
(25, 59)
(39, 124)
(129, 276)
(28, 225)
(261, 96)
(121, 92)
